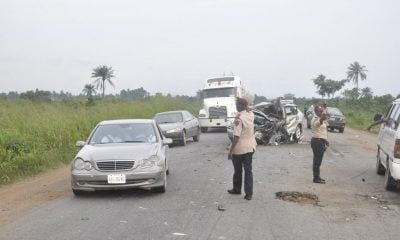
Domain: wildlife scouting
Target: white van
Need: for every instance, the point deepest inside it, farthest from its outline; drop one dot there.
(388, 156)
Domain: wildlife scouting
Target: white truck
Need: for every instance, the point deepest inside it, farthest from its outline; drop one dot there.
(219, 104)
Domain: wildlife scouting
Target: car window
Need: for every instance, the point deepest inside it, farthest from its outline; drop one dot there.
(398, 122)
(394, 115)
(334, 111)
(168, 117)
(187, 116)
(190, 115)
(124, 133)
(290, 110)
(389, 111)
(160, 132)
(259, 120)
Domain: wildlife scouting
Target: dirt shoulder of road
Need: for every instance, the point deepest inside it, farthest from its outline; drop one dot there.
(17, 198)
(25, 194)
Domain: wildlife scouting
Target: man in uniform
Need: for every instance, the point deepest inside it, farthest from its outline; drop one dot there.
(319, 140)
(242, 149)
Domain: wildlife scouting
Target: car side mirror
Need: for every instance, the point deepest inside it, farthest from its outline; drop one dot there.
(80, 143)
(167, 141)
(377, 117)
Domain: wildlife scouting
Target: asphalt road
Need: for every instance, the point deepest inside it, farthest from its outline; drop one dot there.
(353, 203)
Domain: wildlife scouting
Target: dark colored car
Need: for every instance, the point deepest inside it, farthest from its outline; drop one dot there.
(179, 126)
(337, 119)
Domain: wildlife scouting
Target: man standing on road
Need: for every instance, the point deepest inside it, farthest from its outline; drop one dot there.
(319, 140)
(242, 149)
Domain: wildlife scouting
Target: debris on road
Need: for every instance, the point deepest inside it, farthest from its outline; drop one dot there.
(298, 197)
(221, 207)
(179, 234)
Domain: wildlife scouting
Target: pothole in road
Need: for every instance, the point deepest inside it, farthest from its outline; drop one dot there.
(298, 197)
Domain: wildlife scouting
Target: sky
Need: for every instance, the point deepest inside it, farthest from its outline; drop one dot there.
(276, 47)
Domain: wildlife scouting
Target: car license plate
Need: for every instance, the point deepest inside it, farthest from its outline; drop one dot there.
(116, 179)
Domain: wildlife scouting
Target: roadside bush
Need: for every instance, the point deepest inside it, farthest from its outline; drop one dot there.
(36, 135)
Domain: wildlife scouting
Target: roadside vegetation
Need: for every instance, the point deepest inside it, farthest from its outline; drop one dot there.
(38, 134)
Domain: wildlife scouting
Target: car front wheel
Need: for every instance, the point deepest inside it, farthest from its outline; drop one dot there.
(196, 138)
(298, 133)
(183, 140)
(163, 188)
(78, 192)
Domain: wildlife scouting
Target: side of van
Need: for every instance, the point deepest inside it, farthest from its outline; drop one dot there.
(388, 154)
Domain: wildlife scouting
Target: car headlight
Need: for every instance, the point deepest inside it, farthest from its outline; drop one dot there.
(80, 164)
(174, 130)
(149, 162)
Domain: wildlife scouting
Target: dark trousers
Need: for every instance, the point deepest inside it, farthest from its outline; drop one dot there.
(243, 161)
(318, 146)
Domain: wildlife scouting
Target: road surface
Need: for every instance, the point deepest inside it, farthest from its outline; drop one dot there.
(352, 205)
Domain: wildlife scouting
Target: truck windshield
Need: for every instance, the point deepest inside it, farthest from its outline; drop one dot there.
(219, 92)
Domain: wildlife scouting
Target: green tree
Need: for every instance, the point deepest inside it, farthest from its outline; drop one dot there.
(327, 87)
(356, 72)
(103, 75)
(319, 82)
(89, 90)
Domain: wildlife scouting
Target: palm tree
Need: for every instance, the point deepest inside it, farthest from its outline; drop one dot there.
(89, 90)
(103, 74)
(356, 72)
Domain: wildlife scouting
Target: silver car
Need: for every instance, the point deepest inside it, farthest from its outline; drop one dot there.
(179, 126)
(121, 154)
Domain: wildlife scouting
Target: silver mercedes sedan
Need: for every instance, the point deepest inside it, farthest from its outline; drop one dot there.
(122, 154)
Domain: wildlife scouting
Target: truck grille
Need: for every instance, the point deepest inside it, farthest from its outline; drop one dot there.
(115, 165)
(218, 112)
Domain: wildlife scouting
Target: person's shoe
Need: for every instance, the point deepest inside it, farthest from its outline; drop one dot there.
(319, 180)
(247, 197)
(233, 191)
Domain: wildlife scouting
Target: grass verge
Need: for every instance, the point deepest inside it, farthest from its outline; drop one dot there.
(35, 136)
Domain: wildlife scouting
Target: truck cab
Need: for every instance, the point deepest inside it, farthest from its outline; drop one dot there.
(219, 104)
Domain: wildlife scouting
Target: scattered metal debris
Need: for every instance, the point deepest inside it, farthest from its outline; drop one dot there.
(298, 197)
(221, 207)
(179, 234)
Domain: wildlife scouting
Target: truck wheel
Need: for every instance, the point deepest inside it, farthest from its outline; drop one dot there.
(204, 129)
(390, 183)
(380, 169)
(341, 130)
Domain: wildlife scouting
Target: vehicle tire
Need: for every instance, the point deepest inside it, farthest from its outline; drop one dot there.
(341, 130)
(390, 183)
(78, 192)
(163, 188)
(380, 169)
(204, 129)
(197, 137)
(183, 140)
(297, 133)
(167, 166)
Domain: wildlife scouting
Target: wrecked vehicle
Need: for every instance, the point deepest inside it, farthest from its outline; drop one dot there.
(288, 119)
(268, 130)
